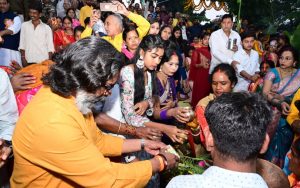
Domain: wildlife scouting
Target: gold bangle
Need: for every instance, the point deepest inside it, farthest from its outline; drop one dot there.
(119, 128)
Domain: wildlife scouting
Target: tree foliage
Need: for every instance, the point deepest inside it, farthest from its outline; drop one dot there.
(278, 14)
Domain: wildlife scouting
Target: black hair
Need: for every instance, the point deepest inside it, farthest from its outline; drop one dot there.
(67, 18)
(247, 34)
(187, 51)
(204, 34)
(227, 16)
(179, 40)
(149, 42)
(269, 62)
(86, 64)
(163, 27)
(87, 21)
(238, 124)
(78, 28)
(226, 69)
(36, 5)
(170, 49)
(290, 49)
(127, 29)
(69, 9)
(152, 21)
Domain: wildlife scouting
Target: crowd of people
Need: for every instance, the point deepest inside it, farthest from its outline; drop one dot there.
(93, 98)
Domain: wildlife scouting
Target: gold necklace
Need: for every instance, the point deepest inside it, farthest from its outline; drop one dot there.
(284, 73)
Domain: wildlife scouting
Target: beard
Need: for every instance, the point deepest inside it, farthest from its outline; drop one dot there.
(85, 101)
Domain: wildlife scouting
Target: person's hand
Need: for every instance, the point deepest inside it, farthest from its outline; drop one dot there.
(180, 114)
(121, 8)
(285, 108)
(175, 134)
(21, 81)
(94, 18)
(254, 77)
(153, 147)
(1, 40)
(4, 152)
(234, 64)
(141, 107)
(14, 66)
(169, 104)
(206, 65)
(171, 159)
(148, 133)
(234, 48)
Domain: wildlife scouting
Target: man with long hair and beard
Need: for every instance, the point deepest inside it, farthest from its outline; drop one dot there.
(56, 142)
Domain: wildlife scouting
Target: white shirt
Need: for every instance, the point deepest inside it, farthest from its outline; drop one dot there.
(8, 107)
(220, 178)
(60, 9)
(37, 42)
(7, 55)
(99, 27)
(112, 105)
(218, 42)
(183, 31)
(249, 64)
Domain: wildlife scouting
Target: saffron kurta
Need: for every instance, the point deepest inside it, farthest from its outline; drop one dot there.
(56, 146)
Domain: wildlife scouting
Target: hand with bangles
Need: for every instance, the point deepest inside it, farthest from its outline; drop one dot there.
(164, 161)
(14, 66)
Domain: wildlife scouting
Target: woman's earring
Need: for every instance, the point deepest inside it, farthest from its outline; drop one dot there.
(140, 63)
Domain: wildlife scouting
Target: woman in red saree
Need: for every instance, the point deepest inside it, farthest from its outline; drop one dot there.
(199, 71)
(64, 37)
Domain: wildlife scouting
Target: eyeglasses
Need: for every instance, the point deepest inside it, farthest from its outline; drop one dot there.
(285, 58)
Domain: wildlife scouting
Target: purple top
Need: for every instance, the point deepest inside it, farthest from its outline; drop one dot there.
(172, 91)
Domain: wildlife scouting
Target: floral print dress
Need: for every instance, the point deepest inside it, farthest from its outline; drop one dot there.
(126, 82)
(127, 97)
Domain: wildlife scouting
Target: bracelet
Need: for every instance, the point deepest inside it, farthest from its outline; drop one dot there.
(142, 144)
(120, 125)
(161, 163)
(163, 115)
(164, 160)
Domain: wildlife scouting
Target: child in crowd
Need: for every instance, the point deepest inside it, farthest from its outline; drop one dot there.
(77, 32)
